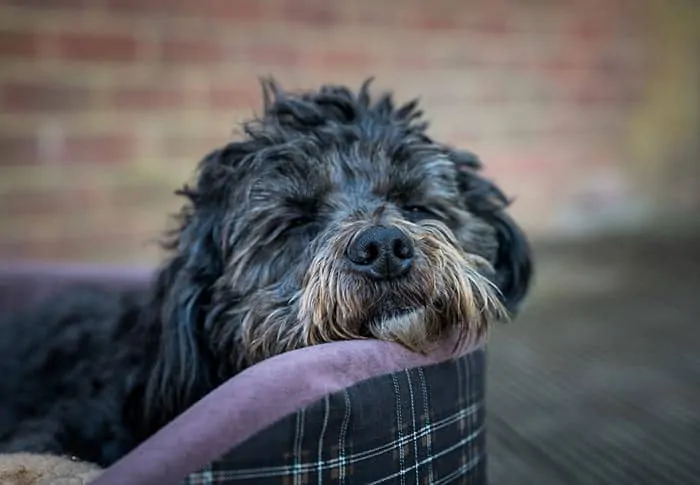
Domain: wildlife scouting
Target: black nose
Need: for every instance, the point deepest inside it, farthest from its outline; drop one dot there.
(381, 252)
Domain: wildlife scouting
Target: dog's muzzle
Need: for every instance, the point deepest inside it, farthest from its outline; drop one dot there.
(397, 281)
(380, 252)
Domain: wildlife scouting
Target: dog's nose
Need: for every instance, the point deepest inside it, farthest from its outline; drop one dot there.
(381, 252)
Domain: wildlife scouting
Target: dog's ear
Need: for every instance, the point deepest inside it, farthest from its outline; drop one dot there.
(181, 296)
(484, 199)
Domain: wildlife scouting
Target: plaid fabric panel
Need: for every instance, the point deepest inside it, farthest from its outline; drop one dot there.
(417, 426)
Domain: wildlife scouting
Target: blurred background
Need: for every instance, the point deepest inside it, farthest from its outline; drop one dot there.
(585, 111)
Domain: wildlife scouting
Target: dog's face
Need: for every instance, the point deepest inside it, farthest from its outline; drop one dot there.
(337, 218)
(366, 238)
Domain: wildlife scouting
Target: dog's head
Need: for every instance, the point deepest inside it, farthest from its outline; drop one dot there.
(335, 217)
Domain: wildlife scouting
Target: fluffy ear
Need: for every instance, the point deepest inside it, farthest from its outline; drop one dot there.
(514, 257)
(181, 295)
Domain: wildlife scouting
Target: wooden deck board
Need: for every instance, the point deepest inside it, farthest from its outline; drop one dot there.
(598, 381)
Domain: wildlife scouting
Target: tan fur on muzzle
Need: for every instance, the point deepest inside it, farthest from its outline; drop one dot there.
(444, 294)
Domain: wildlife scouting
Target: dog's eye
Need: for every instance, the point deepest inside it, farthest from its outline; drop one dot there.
(419, 212)
(306, 227)
(298, 222)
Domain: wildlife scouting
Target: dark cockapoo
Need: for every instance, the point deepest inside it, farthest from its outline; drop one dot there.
(335, 217)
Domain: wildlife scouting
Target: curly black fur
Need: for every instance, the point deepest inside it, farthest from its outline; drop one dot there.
(101, 371)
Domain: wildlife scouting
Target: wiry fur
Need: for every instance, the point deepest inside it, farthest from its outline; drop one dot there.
(258, 269)
(444, 292)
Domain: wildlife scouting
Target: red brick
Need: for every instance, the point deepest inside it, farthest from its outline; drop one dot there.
(462, 137)
(242, 10)
(22, 96)
(372, 15)
(342, 59)
(559, 63)
(435, 21)
(232, 98)
(141, 197)
(496, 26)
(29, 203)
(98, 148)
(47, 4)
(97, 47)
(161, 7)
(189, 146)
(492, 95)
(71, 248)
(146, 98)
(22, 202)
(18, 150)
(317, 14)
(412, 59)
(487, 17)
(589, 29)
(273, 54)
(199, 51)
(18, 45)
(18, 250)
(464, 58)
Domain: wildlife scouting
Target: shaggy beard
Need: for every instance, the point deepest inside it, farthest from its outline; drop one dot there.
(446, 295)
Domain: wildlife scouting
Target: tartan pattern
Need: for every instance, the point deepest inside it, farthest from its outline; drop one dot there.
(415, 426)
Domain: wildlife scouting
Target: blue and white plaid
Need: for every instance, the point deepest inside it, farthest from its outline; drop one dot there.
(416, 426)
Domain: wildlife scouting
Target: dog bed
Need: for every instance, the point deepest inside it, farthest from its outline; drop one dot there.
(347, 412)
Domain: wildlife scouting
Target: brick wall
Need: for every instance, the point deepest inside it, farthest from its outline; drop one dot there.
(586, 111)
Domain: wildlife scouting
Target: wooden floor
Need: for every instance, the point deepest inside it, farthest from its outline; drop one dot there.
(598, 381)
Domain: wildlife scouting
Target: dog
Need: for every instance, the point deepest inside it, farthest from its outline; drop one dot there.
(334, 216)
